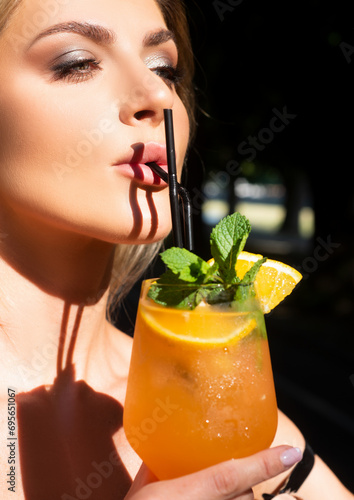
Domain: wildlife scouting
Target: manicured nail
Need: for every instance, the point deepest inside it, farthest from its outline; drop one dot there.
(291, 456)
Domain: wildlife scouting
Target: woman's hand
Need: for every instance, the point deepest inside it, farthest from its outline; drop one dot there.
(231, 480)
(284, 496)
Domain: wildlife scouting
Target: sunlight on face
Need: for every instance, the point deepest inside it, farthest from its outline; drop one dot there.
(82, 94)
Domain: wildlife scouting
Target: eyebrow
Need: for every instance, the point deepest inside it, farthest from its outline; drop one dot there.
(158, 37)
(97, 33)
(102, 35)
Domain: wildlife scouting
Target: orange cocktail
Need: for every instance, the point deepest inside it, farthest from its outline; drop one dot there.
(200, 387)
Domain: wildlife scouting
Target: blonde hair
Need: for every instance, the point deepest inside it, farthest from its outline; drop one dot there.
(132, 260)
(7, 9)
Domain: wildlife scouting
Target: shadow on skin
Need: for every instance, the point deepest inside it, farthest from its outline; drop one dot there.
(66, 430)
(154, 215)
(137, 213)
(65, 434)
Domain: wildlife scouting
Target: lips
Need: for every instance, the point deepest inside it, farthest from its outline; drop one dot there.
(135, 166)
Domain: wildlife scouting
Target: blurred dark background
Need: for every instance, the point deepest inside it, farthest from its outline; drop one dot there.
(275, 141)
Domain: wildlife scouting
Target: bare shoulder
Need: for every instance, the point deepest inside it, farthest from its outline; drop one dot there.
(287, 433)
(321, 484)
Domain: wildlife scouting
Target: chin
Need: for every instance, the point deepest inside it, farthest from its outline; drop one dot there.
(136, 234)
(148, 236)
(150, 226)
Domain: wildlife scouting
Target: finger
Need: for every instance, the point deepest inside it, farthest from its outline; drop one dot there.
(234, 478)
(284, 496)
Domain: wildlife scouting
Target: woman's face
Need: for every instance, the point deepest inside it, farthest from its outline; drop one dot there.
(82, 91)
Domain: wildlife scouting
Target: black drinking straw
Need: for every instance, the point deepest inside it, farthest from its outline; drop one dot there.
(172, 179)
(186, 205)
(187, 217)
(175, 190)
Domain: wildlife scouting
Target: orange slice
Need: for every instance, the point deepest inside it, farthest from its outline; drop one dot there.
(274, 280)
(200, 327)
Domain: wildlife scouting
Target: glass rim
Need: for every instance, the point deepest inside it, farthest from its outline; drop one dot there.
(155, 281)
(192, 294)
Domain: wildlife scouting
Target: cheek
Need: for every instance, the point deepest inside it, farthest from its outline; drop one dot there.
(42, 141)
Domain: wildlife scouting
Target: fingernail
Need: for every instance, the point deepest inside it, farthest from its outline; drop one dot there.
(291, 456)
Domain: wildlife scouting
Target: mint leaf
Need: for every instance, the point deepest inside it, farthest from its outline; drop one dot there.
(191, 272)
(243, 293)
(251, 274)
(220, 294)
(212, 274)
(185, 264)
(184, 268)
(227, 241)
(181, 297)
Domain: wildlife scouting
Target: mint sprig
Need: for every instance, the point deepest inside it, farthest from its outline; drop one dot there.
(227, 240)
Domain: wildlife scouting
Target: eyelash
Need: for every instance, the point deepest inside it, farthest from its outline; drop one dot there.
(81, 70)
(75, 71)
(170, 74)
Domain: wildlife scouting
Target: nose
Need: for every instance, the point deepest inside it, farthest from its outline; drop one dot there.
(145, 100)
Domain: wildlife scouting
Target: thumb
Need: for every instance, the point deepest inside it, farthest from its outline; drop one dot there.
(225, 481)
(284, 496)
(236, 477)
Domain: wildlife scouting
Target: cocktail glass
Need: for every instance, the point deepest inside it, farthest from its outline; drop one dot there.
(200, 387)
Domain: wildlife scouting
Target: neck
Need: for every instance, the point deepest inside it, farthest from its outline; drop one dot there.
(53, 297)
